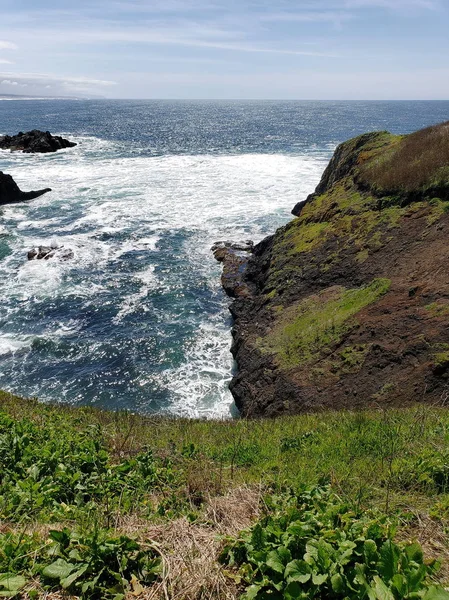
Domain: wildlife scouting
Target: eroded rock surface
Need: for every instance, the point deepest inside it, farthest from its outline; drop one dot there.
(234, 256)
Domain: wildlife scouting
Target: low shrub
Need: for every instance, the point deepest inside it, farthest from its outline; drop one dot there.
(316, 547)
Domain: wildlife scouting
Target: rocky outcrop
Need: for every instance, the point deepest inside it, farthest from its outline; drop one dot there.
(10, 192)
(234, 256)
(47, 252)
(347, 306)
(34, 141)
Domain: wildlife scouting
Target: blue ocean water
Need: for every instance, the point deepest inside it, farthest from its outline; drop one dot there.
(137, 319)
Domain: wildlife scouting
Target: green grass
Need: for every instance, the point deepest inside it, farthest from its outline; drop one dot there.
(90, 472)
(319, 322)
(416, 163)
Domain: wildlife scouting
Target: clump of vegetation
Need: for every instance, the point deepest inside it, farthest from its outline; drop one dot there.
(304, 330)
(315, 546)
(120, 503)
(96, 566)
(420, 162)
(438, 309)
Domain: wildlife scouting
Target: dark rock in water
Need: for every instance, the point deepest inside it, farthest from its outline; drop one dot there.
(10, 192)
(298, 208)
(235, 257)
(46, 252)
(34, 141)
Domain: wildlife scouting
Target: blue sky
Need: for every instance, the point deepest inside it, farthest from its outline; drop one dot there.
(322, 49)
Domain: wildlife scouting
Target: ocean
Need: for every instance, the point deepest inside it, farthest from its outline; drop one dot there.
(137, 319)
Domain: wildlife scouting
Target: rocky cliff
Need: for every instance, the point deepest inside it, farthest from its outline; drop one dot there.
(348, 304)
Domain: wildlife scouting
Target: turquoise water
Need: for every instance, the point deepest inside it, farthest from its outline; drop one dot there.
(137, 319)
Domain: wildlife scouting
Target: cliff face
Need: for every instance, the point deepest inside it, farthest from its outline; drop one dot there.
(349, 302)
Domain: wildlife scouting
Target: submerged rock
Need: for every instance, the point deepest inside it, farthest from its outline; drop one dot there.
(46, 252)
(34, 141)
(234, 256)
(10, 192)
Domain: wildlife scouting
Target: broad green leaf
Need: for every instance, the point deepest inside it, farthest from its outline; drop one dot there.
(258, 537)
(293, 591)
(399, 583)
(11, 582)
(297, 570)
(360, 578)
(284, 554)
(388, 563)
(436, 593)
(60, 569)
(311, 555)
(274, 561)
(414, 552)
(319, 579)
(370, 551)
(251, 592)
(67, 582)
(338, 583)
(382, 591)
(415, 577)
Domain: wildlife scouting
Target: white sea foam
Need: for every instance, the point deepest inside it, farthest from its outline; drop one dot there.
(10, 344)
(104, 206)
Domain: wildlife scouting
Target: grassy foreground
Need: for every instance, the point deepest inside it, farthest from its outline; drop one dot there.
(112, 505)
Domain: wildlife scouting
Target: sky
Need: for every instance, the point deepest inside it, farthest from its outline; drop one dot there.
(226, 49)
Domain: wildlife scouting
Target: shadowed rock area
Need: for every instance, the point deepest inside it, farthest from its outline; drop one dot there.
(347, 306)
(34, 141)
(10, 192)
(234, 257)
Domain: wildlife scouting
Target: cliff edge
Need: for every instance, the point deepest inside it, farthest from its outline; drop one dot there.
(349, 302)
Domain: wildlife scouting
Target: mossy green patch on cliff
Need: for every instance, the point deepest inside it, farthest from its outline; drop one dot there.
(438, 309)
(306, 330)
(302, 239)
(351, 358)
(439, 208)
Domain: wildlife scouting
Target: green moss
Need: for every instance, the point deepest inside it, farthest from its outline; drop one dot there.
(438, 309)
(362, 255)
(438, 209)
(351, 358)
(441, 358)
(304, 331)
(385, 391)
(304, 238)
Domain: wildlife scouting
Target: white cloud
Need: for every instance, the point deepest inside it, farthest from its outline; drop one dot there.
(3, 61)
(46, 78)
(40, 83)
(7, 45)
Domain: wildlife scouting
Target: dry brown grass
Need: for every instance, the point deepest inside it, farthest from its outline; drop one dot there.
(189, 551)
(432, 535)
(414, 164)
